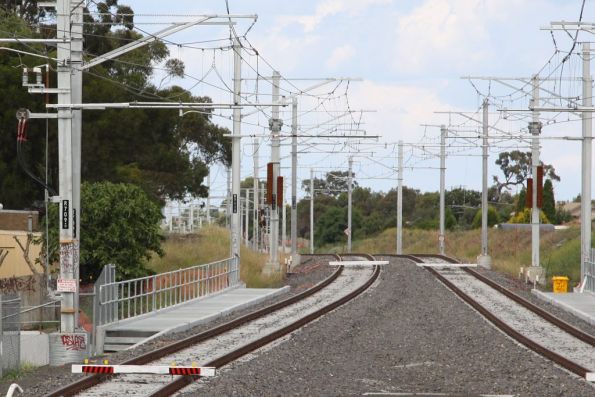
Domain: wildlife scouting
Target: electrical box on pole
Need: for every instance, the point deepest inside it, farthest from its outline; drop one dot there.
(529, 194)
(280, 191)
(270, 173)
(539, 186)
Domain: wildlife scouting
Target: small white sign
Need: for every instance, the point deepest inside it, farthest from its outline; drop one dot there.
(66, 285)
(347, 232)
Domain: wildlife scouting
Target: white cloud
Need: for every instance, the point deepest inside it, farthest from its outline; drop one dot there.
(326, 9)
(454, 34)
(340, 55)
(399, 109)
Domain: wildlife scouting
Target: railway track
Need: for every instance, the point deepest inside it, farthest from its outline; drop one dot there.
(525, 322)
(222, 345)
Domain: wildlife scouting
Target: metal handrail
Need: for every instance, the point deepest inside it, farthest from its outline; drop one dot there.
(118, 300)
(28, 310)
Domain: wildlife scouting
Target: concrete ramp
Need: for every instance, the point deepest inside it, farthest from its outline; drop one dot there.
(131, 333)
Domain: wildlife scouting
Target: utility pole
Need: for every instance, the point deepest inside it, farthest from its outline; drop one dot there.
(236, 149)
(256, 197)
(349, 191)
(275, 124)
(400, 200)
(484, 259)
(441, 238)
(311, 210)
(294, 127)
(586, 162)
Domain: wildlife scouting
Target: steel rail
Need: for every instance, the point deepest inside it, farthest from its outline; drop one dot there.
(510, 331)
(184, 381)
(577, 333)
(90, 381)
(555, 357)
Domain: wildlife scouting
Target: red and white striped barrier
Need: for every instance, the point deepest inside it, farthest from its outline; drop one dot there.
(141, 369)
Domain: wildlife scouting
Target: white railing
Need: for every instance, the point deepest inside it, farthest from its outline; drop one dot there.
(119, 300)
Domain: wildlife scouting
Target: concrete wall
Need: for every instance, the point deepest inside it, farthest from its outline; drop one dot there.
(35, 348)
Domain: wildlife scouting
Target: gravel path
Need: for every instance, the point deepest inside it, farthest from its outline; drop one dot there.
(407, 334)
(45, 379)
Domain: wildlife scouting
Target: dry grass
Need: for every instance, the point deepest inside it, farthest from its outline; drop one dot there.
(211, 244)
(510, 250)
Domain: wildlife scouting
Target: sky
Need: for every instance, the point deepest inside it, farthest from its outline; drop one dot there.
(408, 58)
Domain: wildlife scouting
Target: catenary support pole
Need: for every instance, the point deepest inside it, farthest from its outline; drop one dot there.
(256, 197)
(311, 210)
(349, 192)
(441, 237)
(586, 162)
(534, 164)
(236, 150)
(67, 242)
(228, 203)
(400, 200)
(294, 127)
(484, 259)
(275, 124)
(76, 82)
(284, 222)
(209, 197)
(247, 218)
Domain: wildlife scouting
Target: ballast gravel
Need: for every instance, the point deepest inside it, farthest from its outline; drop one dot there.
(45, 379)
(408, 334)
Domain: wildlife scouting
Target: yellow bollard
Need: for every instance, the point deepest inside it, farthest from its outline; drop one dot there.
(560, 284)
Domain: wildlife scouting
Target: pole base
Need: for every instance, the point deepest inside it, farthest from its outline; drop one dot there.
(271, 268)
(68, 348)
(484, 261)
(295, 260)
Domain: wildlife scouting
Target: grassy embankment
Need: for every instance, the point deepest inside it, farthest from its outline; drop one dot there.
(208, 245)
(510, 250)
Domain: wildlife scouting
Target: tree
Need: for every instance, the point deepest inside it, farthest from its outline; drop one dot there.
(334, 184)
(525, 217)
(520, 202)
(166, 155)
(493, 218)
(549, 202)
(121, 227)
(516, 166)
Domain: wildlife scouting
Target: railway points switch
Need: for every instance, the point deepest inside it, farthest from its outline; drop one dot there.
(535, 275)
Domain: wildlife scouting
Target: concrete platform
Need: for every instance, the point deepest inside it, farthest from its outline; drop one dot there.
(581, 305)
(134, 332)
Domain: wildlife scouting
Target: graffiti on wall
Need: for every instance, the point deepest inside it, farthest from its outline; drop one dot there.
(17, 284)
(75, 342)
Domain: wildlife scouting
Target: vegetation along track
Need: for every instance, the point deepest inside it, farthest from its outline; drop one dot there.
(528, 324)
(221, 345)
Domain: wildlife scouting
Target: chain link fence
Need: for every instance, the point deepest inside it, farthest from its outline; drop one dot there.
(10, 333)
